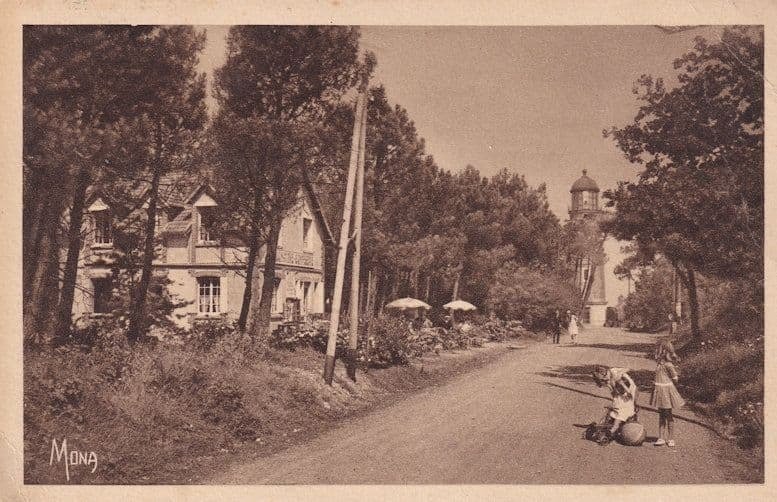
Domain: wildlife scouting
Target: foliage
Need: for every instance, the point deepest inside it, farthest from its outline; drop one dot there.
(728, 379)
(649, 305)
(699, 200)
(273, 90)
(530, 296)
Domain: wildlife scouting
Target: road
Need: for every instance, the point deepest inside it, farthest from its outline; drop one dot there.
(511, 422)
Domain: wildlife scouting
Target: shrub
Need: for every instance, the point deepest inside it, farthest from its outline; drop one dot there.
(648, 306)
(390, 342)
(205, 334)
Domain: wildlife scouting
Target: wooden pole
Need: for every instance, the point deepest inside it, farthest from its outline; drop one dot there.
(353, 334)
(342, 250)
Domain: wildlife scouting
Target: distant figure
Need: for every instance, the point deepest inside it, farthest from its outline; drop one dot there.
(672, 324)
(574, 327)
(558, 322)
(665, 396)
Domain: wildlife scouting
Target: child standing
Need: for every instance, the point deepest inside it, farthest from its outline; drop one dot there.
(573, 327)
(665, 396)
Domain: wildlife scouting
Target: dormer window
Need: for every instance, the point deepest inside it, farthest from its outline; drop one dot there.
(101, 223)
(207, 224)
(206, 216)
(103, 231)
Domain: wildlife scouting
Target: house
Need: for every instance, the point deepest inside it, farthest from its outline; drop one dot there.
(205, 272)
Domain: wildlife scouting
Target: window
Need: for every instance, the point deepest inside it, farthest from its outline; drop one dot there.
(207, 224)
(101, 295)
(306, 224)
(209, 295)
(158, 220)
(103, 233)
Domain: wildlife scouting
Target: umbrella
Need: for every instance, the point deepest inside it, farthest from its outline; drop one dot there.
(460, 305)
(408, 303)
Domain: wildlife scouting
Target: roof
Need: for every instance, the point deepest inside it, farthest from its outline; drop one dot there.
(584, 184)
(317, 211)
(181, 224)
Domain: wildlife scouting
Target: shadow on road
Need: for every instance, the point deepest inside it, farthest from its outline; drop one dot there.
(582, 373)
(642, 407)
(645, 348)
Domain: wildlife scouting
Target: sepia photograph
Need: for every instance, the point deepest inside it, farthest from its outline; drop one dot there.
(329, 254)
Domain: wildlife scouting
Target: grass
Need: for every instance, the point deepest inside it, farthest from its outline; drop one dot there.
(162, 414)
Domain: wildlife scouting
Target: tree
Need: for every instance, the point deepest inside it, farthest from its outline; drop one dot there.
(79, 86)
(530, 295)
(272, 92)
(698, 200)
(648, 306)
(174, 114)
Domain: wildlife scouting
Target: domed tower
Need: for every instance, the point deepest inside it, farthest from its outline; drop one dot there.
(585, 205)
(585, 197)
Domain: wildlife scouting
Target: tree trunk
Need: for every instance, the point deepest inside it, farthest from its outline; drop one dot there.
(395, 285)
(44, 284)
(253, 251)
(35, 226)
(688, 277)
(260, 323)
(137, 324)
(67, 293)
(456, 287)
(428, 281)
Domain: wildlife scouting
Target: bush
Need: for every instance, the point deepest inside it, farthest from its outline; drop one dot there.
(530, 296)
(390, 342)
(729, 379)
(648, 307)
(205, 334)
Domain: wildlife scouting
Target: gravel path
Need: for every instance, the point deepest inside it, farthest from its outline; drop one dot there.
(511, 422)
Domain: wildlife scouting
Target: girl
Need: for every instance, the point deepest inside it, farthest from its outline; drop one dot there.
(573, 327)
(624, 392)
(665, 396)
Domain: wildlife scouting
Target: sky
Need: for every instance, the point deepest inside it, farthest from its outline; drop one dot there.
(534, 100)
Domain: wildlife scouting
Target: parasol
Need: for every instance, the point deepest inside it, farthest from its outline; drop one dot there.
(408, 303)
(460, 305)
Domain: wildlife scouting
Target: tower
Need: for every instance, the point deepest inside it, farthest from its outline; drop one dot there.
(585, 206)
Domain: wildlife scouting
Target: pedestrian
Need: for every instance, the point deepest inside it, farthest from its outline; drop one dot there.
(558, 322)
(573, 327)
(672, 324)
(665, 396)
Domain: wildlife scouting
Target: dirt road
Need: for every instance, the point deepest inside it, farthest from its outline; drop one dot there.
(510, 422)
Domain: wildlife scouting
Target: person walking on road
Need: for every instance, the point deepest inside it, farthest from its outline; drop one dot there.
(573, 327)
(665, 396)
(558, 322)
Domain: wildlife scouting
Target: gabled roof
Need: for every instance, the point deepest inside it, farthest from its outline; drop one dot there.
(203, 188)
(180, 225)
(315, 204)
(93, 195)
(183, 222)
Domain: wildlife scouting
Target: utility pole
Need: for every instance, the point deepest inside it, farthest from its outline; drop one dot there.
(342, 250)
(353, 333)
